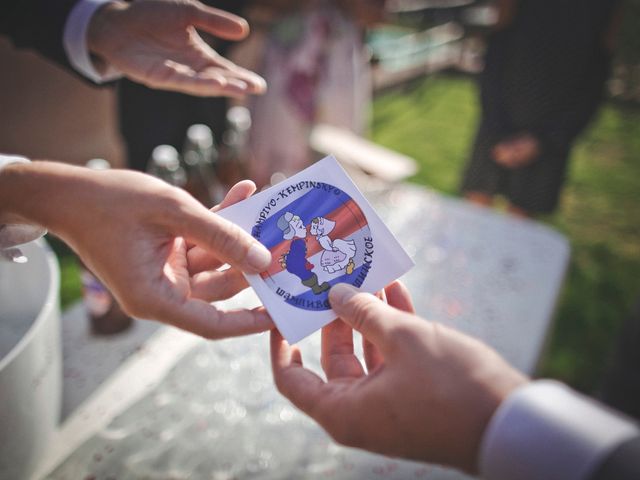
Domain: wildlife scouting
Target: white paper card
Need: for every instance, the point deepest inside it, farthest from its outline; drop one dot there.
(321, 231)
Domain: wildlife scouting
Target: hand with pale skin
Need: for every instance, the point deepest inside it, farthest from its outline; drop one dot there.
(517, 151)
(153, 245)
(427, 393)
(156, 43)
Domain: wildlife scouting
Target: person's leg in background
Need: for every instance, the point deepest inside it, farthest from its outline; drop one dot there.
(482, 177)
(535, 189)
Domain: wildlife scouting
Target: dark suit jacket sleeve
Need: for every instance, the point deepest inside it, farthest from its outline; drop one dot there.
(622, 464)
(37, 24)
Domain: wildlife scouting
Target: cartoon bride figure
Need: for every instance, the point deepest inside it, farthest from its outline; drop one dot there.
(338, 254)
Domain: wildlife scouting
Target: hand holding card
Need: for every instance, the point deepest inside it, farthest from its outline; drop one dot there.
(321, 231)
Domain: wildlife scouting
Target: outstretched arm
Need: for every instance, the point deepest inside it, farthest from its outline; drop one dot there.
(438, 371)
(156, 43)
(155, 247)
(432, 394)
(325, 242)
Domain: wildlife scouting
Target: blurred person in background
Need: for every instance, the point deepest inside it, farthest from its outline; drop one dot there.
(432, 394)
(545, 71)
(315, 63)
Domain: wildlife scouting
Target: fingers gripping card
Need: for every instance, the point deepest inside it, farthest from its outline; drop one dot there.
(321, 231)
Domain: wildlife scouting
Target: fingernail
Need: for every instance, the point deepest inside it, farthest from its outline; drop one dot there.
(260, 83)
(258, 257)
(341, 293)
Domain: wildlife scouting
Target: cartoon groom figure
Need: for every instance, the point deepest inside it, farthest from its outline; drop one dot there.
(295, 261)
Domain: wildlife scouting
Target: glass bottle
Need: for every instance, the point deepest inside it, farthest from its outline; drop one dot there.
(200, 157)
(165, 165)
(235, 152)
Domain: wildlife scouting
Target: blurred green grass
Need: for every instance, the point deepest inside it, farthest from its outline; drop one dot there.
(70, 284)
(434, 122)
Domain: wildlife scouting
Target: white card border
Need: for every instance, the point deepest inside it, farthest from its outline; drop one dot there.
(327, 170)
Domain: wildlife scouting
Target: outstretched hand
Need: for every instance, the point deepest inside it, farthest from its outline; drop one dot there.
(155, 246)
(428, 391)
(156, 43)
(171, 251)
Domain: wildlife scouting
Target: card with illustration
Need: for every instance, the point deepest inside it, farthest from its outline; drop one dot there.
(321, 231)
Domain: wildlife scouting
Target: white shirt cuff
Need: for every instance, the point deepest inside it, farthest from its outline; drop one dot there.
(75, 42)
(14, 235)
(545, 430)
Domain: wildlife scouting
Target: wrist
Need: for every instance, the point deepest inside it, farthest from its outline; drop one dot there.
(100, 28)
(15, 230)
(12, 195)
(34, 193)
(497, 387)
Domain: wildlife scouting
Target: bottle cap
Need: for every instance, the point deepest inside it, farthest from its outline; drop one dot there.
(239, 117)
(277, 177)
(200, 135)
(166, 156)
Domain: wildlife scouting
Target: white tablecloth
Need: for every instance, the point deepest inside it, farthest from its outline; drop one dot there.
(182, 407)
